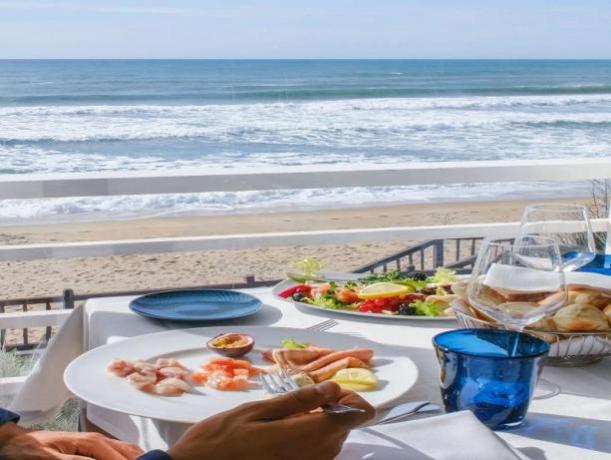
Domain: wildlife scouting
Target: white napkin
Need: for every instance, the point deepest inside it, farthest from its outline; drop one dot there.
(456, 436)
(587, 279)
(44, 393)
(524, 279)
(521, 279)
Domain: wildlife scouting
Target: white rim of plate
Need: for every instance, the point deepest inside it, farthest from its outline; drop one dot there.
(90, 367)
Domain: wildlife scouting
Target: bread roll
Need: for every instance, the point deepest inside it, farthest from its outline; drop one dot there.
(582, 298)
(460, 288)
(441, 300)
(519, 296)
(580, 317)
(594, 297)
(544, 324)
(607, 312)
(577, 297)
(519, 309)
(600, 301)
(481, 315)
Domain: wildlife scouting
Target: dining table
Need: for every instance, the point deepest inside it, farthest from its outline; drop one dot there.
(573, 421)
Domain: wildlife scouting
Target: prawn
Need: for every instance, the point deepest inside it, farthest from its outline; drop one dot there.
(172, 387)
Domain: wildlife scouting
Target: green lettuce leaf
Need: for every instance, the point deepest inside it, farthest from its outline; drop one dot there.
(293, 344)
(308, 266)
(426, 309)
(442, 276)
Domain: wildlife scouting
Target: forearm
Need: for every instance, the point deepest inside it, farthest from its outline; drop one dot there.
(9, 431)
(8, 427)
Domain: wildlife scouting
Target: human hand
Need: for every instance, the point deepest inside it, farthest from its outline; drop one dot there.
(55, 445)
(282, 428)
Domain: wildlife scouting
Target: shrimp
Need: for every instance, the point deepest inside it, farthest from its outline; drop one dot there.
(143, 381)
(240, 378)
(319, 290)
(234, 384)
(167, 362)
(199, 377)
(143, 366)
(346, 295)
(226, 374)
(173, 372)
(217, 379)
(172, 387)
(167, 377)
(120, 367)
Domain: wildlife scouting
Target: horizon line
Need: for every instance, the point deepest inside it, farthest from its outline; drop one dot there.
(297, 59)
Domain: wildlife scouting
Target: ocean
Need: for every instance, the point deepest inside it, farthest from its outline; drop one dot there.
(62, 116)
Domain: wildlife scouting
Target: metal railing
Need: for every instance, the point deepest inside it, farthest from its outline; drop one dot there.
(426, 256)
(22, 310)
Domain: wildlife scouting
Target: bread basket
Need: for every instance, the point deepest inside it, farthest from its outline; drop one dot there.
(566, 348)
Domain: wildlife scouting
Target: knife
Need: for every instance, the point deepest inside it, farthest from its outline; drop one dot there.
(402, 411)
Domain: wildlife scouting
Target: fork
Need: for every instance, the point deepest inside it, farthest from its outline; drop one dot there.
(280, 382)
(324, 326)
(331, 323)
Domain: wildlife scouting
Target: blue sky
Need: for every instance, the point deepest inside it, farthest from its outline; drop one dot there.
(305, 29)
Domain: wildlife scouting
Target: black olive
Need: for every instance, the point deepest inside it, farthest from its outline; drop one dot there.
(298, 296)
(406, 309)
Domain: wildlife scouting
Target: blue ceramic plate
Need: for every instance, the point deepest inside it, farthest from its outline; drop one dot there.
(601, 264)
(196, 305)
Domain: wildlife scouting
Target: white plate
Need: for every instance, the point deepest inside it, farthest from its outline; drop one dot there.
(281, 286)
(87, 378)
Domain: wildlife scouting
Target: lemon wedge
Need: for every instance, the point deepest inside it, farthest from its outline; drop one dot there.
(355, 386)
(356, 379)
(379, 290)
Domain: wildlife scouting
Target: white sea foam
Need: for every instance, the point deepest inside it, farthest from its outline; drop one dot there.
(334, 123)
(265, 136)
(412, 103)
(69, 209)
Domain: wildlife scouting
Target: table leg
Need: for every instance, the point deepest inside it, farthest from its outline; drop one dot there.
(85, 426)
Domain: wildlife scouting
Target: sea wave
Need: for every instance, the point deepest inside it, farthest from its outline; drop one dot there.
(63, 117)
(73, 209)
(284, 92)
(331, 123)
(268, 135)
(416, 103)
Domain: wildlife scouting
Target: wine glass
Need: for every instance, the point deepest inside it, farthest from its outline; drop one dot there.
(569, 224)
(519, 283)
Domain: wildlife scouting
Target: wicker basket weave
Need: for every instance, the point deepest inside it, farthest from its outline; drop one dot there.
(566, 348)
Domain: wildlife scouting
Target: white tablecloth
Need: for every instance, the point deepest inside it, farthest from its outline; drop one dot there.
(574, 424)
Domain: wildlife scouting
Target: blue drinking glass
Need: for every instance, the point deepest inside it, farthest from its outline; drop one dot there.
(487, 372)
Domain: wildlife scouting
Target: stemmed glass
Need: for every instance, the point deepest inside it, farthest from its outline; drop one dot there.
(568, 224)
(518, 284)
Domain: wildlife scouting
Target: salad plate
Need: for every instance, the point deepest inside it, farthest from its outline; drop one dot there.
(196, 305)
(87, 376)
(327, 306)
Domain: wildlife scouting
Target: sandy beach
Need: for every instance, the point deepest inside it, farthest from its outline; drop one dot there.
(141, 272)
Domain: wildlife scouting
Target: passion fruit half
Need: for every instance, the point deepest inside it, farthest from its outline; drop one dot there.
(232, 344)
